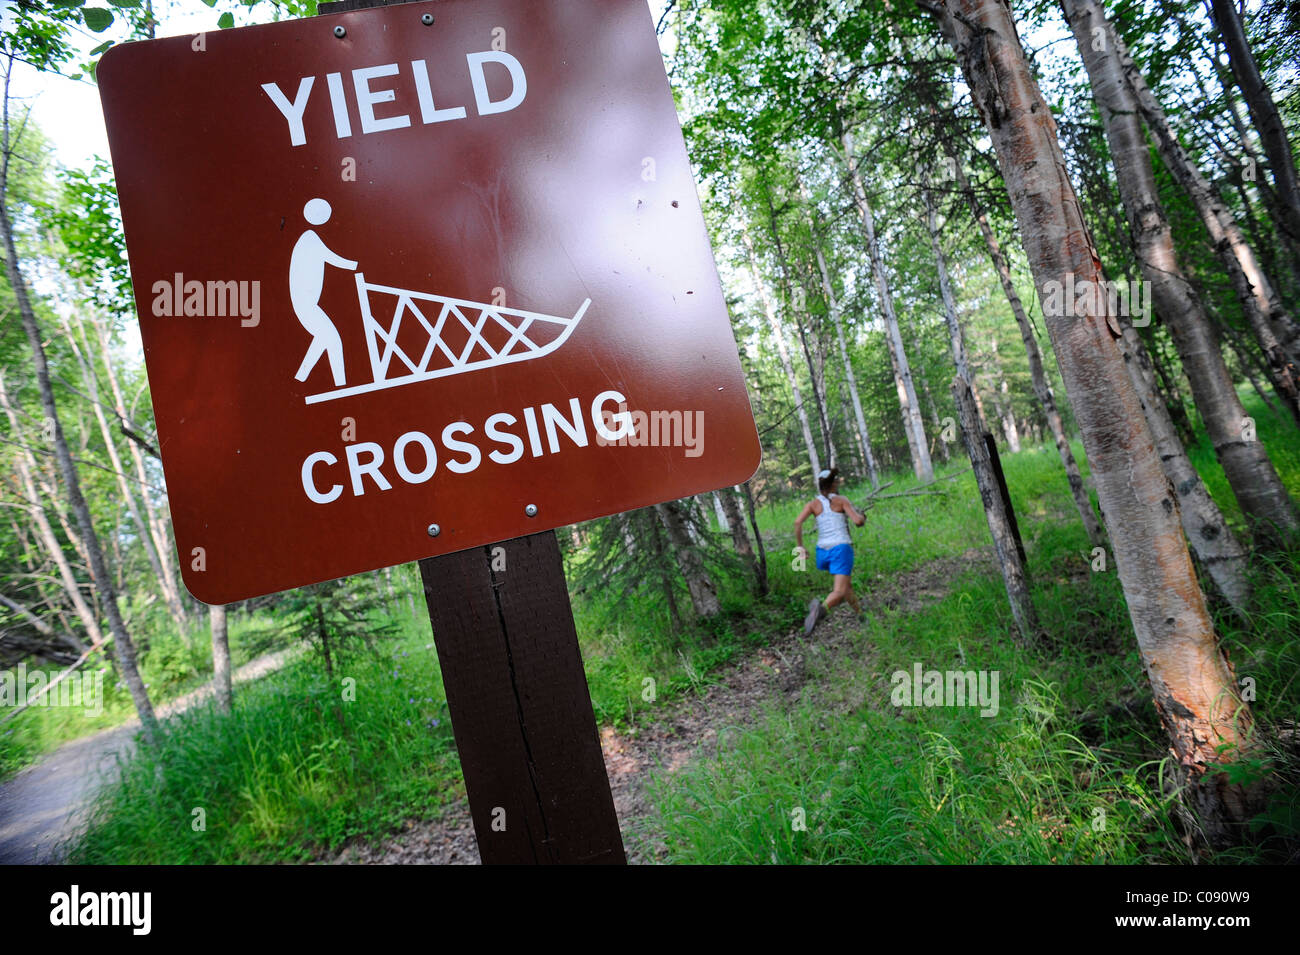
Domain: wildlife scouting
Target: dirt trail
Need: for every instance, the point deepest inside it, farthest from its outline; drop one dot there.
(689, 727)
(42, 806)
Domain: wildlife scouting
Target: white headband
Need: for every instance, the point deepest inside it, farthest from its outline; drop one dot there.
(823, 474)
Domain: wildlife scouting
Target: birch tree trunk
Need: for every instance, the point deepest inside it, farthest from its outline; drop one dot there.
(1276, 331)
(220, 658)
(934, 418)
(740, 537)
(817, 380)
(797, 300)
(720, 513)
(1014, 577)
(1002, 397)
(910, 407)
(778, 332)
(36, 565)
(832, 303)
(1263, 113)
(1170, 392)
(1211, 539)
(704, 593)
(747, 492)
(956, 339)
(156, 518)
(1247, 149)
(25, 464)
(1258, 489)
(1193, 684)
(170, 597)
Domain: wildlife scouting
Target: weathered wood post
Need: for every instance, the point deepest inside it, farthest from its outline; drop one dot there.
(519, 704)
(997, 508)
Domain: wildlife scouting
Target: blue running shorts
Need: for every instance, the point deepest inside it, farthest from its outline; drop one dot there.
(838, 560)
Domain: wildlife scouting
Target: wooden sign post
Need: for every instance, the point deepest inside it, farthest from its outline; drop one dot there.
(519, 704)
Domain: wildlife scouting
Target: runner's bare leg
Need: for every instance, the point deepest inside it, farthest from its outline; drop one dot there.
(842, 591)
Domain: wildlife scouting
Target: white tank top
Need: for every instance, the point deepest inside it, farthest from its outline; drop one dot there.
(832, 526)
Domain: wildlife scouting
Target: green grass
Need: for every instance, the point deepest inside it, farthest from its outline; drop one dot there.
(301, 766)
(879, 783)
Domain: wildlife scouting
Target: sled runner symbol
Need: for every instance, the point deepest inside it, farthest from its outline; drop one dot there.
(382, 344)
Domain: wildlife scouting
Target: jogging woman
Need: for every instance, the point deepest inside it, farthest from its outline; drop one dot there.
(834, 549)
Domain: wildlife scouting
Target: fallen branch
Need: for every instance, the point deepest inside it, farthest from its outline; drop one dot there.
(949, 477)
(915, 492)
(53, 683)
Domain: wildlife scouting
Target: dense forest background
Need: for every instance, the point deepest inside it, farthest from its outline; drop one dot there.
(897, 218)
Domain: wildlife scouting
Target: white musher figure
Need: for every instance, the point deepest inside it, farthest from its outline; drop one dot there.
(306, 280)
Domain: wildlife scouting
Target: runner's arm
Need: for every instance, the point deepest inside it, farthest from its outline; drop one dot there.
(856, 516)
(798, 525)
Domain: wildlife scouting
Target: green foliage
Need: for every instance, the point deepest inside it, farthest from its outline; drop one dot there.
(40, 36)
(339, 617)
(88, 223)
(766, 90)
(97, 18)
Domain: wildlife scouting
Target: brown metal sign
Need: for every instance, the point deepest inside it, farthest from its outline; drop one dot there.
(415, 279)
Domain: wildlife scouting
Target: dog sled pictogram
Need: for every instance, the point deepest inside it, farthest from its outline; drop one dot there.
(436, 315)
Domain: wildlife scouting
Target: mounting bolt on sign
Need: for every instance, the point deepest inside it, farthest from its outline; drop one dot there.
(449, 237)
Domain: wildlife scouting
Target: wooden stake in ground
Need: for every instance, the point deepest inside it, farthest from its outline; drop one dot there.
(1005, 537)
